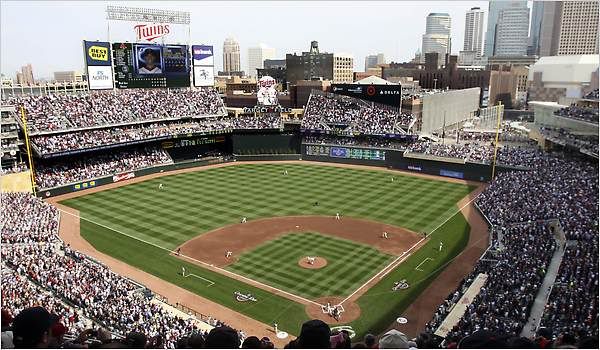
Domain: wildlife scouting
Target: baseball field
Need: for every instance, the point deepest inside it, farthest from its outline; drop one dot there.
(181, 232)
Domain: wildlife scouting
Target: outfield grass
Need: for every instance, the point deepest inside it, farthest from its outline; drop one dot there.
(141, 223)
(275, 263)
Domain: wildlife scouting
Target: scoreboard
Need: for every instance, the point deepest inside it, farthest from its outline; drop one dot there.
(345, 152)
(151, 65)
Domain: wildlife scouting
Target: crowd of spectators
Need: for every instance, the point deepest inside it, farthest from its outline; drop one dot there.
(515, 269)
(39, 225)
(85, 168)
(56, 143)
(15, 168)
(361, 117)
(519, 205)
(73, 291)
(102, 108)
(587, 114)
(585, 142)
(592, 95)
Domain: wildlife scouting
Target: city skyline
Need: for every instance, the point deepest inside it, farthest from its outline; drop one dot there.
(55, 20)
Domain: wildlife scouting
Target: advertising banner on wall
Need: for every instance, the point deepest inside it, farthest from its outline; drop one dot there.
(203, 55)
(204, 76)
(203, 61)
(100, 77)
(385, 94)
(98, 62)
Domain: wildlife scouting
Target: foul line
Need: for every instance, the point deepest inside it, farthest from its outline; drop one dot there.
(391, 266)
(210, 283)
(422, 262)
(209, 266)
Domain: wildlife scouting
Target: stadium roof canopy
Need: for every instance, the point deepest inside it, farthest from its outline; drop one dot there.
(373, 80)
(565, 69)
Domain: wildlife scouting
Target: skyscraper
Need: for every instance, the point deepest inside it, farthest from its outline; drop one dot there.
(493, 12)
(512, 31)
(231, 56)
(549, 27)
(25, 76)
(437, 36)
(257, 56)
(372, 61)
(474, 30)
(535, 30)
(578, 28)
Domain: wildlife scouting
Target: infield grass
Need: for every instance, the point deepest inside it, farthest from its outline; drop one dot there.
(275, 263)
(139, 223)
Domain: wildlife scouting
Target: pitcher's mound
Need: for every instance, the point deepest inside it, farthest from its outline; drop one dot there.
(317, 262)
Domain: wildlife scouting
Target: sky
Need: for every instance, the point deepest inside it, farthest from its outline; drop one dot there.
(49, 34)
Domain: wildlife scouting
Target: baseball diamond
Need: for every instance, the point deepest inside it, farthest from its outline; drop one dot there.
(162, 230)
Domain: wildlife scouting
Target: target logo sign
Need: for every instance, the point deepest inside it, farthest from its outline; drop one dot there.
(371, 90)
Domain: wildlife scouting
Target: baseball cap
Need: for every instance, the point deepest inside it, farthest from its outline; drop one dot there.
(314, 335)
(393, 339)
(223, 337)
(30, 325)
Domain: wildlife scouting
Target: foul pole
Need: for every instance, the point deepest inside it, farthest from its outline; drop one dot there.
(498, 114)
(28, 145)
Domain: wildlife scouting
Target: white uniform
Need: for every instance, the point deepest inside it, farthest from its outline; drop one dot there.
(243, 219)
(384, 235)
(160, 186)
(183, 271)
(337, 216)
(228, 255)
(441, 245)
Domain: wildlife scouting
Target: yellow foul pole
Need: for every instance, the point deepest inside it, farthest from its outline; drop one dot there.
(27, 144)
(498, 114)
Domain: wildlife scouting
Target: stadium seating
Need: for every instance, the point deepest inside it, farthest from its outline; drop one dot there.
(354, 116)
(586, 114)
(56, 112)
(89, 168)
(519, 204)
(39, 269)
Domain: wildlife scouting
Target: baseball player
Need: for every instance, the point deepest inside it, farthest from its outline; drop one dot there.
(228, 254)
(160, 186)
(337, 216)
(285, 172)
(243, 220)
(392, 179)
(183, 271)
(441, 245)
(384, 235)
(178, 251)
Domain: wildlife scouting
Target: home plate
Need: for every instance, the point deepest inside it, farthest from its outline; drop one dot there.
(282, 335)
(401, 320)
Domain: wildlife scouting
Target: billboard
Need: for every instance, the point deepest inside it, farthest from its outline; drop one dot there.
(203, 61)
(98, 63)
(203, 55)
(97, 53)
(390, 95)
(204, 76)
(151, 65)
(266, 94)
(148, 32)
(100, 77)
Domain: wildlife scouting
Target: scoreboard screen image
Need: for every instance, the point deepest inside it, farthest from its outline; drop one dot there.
(345, 152)
(151, 66)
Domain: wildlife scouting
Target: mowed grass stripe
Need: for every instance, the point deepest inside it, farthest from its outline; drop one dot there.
(337, 278)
